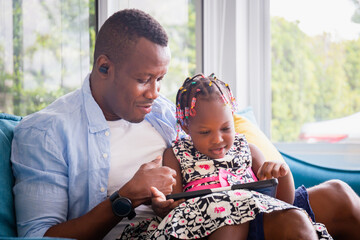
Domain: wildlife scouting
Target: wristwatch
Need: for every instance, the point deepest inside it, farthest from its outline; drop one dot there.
(122, 206)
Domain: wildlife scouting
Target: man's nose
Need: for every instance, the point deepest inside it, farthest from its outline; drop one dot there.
(153, 90)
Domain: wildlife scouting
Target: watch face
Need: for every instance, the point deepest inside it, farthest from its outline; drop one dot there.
(122, 207)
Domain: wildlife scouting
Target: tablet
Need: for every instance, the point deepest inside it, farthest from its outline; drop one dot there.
(267, 187)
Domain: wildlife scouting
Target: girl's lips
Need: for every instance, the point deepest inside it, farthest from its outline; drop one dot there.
(218, 151)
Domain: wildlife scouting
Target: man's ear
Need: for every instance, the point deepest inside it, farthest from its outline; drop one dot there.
(103, 65)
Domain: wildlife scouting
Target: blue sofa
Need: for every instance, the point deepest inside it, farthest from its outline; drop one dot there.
(7, 211)
(304, 173)
(308, 174)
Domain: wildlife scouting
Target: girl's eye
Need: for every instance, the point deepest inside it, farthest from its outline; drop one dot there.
(225, 129)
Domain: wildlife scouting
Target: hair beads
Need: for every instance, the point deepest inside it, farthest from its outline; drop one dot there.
(192, 110)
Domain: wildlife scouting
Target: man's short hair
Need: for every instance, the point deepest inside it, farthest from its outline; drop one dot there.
(122, 30)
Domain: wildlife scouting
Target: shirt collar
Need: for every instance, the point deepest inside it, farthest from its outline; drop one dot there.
(94, 114)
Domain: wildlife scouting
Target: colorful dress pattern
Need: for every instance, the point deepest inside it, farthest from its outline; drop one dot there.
(234, 168)
(199, 217)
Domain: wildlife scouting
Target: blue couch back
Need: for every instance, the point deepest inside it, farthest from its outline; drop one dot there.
(7, 212)
(308, 174)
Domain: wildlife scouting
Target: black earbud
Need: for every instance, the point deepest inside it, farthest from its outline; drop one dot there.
(103, 69)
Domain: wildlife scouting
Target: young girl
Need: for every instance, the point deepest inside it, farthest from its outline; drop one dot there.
(211, 156)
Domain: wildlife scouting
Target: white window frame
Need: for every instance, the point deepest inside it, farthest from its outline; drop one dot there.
(237, 49)
(108, 7)
(235, 44)
(243, 62)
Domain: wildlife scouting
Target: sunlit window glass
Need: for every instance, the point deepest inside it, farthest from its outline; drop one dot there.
(46, 49)
(315, 75)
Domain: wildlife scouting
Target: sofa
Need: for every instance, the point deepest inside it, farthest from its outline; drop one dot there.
(7, 211)
(309, 174)
(304, 173)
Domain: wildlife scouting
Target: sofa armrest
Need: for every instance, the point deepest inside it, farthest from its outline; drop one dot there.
(7, 212)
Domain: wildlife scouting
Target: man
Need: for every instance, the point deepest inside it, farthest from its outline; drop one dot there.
(61, 155)
(84, 162)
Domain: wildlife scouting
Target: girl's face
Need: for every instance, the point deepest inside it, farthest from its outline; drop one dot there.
(212, 128)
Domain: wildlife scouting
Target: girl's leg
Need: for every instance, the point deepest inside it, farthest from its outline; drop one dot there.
(288, 224)
(238, 232)
(336, 205)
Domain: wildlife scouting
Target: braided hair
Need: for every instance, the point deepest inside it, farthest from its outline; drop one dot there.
(196, 86)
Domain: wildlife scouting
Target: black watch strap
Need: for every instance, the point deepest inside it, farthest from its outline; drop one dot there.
(132, 214)
(114, 196)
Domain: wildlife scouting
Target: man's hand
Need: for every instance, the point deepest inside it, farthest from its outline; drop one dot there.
(160, 205)
(151, 174)
(272, 169)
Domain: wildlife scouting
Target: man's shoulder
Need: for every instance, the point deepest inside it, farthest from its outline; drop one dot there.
(163, 109)
(164, 103)
(62, 111)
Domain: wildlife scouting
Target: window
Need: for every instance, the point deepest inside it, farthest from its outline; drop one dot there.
(315, 72)
(46, 49)
(180, 20)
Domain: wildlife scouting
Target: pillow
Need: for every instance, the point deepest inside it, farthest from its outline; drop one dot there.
(248, 113)
(7, 212)
(255, 136)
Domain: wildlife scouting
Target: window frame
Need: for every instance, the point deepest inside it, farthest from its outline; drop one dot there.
(243, 58)
(108, 7)
(310, 151)
(252, 81)
(248, 68)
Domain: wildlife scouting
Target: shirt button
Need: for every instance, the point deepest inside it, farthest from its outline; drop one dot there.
(107, 133)
(105, 155)
(102, 189)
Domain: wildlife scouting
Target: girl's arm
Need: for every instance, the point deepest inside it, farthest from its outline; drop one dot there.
(171, 161)
(160, 205)
(278, 169)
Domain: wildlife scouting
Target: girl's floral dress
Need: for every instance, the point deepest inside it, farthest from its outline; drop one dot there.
(198, 217)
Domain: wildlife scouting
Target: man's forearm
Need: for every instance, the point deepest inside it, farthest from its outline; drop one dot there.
(93, 225)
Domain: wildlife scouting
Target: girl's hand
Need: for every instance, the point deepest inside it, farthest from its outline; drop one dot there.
(272, 170)
(160, 205)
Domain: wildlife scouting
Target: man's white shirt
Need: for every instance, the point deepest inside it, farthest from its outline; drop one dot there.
(131, 145)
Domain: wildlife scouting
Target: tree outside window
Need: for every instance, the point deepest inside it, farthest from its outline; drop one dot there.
(315, 76)
(46, 51)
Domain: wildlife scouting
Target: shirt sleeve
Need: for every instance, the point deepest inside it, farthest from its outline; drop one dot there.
(41, 181)
(162, 118)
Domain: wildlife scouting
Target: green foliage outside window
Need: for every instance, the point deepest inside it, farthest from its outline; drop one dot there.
(182, 42)
(313, 78)
(17, 99)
